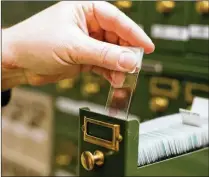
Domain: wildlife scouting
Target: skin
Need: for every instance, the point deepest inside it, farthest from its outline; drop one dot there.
(69, 38)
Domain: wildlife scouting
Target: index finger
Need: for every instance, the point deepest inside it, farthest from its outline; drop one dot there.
(112, 19)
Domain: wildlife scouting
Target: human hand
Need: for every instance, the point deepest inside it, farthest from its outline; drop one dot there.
(68, 38)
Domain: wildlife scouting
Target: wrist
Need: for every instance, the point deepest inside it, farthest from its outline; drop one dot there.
(12, 75)
(8, 48)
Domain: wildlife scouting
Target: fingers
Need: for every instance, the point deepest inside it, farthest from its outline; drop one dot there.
(111, 37)
(123, 43)
(115, 78)
(106, 55)
(97, 36)
(38, 79)
(111, 19)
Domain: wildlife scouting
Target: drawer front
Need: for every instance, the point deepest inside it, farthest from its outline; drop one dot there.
(198, 27)
(167, 25)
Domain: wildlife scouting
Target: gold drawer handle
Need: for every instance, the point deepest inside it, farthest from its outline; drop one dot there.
(123, 4)
(65, 84)
(165, 6)
(90, 89)
(112, 144)
(202, 7)
(88, 160)
(63, 159)
(159, 104)
(190, 87)
(170, 93)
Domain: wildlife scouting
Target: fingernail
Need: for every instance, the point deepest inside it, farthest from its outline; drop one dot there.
(128, 60)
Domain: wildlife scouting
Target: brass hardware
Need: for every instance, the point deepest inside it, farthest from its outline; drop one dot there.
(194, 86)
(202, 7)
(91, 88)
(63, 160)
(159, 104)
(88, 160)
(170, 93)
(83, 128)
(123, 4)
(165, 6)
(116, 137)
(65, 84)
(91, 85)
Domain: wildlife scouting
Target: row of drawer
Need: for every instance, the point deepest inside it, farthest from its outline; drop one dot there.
(155, 94)
(173, 25)
(161, 95)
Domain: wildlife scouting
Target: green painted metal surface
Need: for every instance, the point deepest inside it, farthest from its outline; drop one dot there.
(171, 24)
(199, 30)
(115, 163)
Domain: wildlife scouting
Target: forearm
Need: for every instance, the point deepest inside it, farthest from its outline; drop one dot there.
(11, 75)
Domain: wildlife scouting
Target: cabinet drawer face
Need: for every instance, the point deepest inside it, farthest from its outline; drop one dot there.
(163, 95)
(156, 96)
(198, 27)
(167, 25)
(65, 153)
(134, 10)
(21, 10)
(195, 89)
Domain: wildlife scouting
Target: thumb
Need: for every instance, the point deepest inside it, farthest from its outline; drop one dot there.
(106, 55)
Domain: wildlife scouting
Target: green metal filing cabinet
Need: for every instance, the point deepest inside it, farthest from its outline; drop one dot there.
(169, 82)
(132, 9)
(198, 27)
(114, 152)
(167, 21)
(170, 78)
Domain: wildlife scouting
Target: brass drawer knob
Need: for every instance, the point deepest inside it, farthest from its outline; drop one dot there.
(165, 6)
(158, 104)
(88, 160)
(123, 4)
(91, 88)
(202, 7)
(63, 160)
(65, 84)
